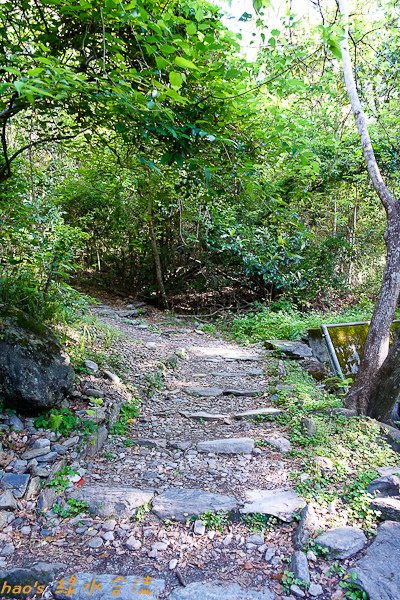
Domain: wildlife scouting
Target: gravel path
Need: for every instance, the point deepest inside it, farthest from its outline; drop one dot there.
(200, 361)
(194, 449)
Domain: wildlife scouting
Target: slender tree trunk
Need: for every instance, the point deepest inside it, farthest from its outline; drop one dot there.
(157, 262)
(363, 393)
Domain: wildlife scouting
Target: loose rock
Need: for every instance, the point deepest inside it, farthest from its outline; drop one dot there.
(299, 566)
(388, 507)
(388, 485)
(227, 446)
(35, 372)
(342, 542)
(280, 443)
(7, 501)
(204, 391)
(377, 573)
(281, 503)
(306, 528)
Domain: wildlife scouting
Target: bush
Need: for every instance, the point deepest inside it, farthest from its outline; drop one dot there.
(37, 259)
(289, 324)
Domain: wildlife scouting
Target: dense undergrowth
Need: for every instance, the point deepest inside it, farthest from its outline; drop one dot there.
(339, 460)
(284, 321)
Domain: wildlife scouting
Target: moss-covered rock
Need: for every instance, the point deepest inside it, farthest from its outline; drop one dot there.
(35, 372)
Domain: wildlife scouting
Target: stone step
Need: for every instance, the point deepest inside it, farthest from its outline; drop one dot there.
(106, 501)
(292, 349)
(377, 572)
(241, 393)
(205, 416)
(247, 414)
(269, 411)
(214, 392)
(342, 542)
(282, 503)
(201, 590)
(227, 446)
(204, 392)
(181, 504)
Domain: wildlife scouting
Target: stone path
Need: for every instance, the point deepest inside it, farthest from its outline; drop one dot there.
(205, 442)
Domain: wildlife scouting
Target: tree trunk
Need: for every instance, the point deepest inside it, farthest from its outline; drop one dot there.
(377, 343)
(364, 393)
(157, 262)
(385, 390)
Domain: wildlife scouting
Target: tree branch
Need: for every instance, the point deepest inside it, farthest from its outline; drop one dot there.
(374, 172)
(5, 170)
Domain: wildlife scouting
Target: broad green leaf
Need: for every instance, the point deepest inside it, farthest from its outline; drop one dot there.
(184, 63)
(161, 62)
(175, 80)
(191, 29)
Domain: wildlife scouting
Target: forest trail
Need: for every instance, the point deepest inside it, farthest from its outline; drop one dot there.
(196, 390)
(204, 446)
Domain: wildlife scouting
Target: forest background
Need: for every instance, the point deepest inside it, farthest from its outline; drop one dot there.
(147, 150)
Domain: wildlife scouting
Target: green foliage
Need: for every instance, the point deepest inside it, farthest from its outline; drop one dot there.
(60, 480)
(88, 338)
(215, 520)
(259, 522)
(142, 511)
(64, 421)
(153, 381)
(37, 259)
(353, 592)
(318, 550)
(289, 324)
(358, 499)
(71, 508)
(128, 414)
(140, 134)
(354, 446)
(208, 327)
(128, 443)
(289, 579)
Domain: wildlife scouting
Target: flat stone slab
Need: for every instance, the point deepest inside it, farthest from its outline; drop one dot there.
(269, 411)
(281, 503)
(219, 591)
(205, 416)
(16, 483)
(107, 501)
(342, 542)
(227, 446)
(292, 349)
(388, 507)
(92, 586)
(385, 471)
(377, 572)
(204, 392)
(241, 393)
(181, 504)
(35, 453)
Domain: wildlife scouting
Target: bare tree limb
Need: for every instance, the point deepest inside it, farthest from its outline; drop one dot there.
(374, 172)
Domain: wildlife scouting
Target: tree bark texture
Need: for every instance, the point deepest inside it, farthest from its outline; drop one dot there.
(373, 374)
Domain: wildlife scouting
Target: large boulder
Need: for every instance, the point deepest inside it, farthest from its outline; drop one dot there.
(35, 372)
(377, 572)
